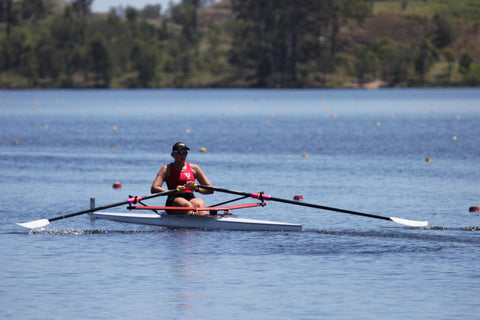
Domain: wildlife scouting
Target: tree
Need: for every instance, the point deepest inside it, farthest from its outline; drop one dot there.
(151, 11)
(182, 14)
(385, 53)
(426, 56)
(47, 65)
(99, 61)
(252, 41)
(7, 15)
(29, 61)
(62, 29)
(81, 8)
(12, 50)
(73, 64)
(32, 9)
(145, 62)
(401, 66)
(337, 11)
(469, 69)
(213, 35)
(365, 65)
(443, 35)
(278, 35)
(131, 14)
(450, 56)
(465, 63)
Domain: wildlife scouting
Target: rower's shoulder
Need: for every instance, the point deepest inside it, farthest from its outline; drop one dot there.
(193, 166)
(165, 168)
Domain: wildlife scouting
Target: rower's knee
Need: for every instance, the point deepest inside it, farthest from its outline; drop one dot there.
(180, 202)
(197, 202)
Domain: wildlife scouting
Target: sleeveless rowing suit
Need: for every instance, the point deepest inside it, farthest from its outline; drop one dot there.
(177, 178)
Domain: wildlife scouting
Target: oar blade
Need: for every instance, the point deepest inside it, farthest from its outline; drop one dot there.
(410, 223)
(35, 224)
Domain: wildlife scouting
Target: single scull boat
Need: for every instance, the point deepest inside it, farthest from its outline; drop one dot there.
(216, 222)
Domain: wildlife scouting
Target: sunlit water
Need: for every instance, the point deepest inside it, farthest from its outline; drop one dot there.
(352, 149)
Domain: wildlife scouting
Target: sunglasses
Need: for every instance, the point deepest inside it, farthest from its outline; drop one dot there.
(182, 152)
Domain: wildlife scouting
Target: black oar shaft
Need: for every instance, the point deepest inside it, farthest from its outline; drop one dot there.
(111, 205)
(311, 205)
(298, 203)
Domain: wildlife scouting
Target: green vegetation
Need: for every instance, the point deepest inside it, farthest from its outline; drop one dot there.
(248, 43)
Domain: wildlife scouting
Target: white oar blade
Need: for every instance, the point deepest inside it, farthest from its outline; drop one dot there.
(35, 224)
(410, 223)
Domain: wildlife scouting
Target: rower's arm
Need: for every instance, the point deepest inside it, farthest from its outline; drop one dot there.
(158, 182)
(203, 180)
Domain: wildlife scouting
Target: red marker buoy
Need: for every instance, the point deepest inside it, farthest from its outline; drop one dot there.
(474, 209)
(298, 197)
(117, 185)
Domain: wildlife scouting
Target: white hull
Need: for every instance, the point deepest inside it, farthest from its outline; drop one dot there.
(220, 222)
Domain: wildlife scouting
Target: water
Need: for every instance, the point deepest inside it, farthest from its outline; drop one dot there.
(367, 152)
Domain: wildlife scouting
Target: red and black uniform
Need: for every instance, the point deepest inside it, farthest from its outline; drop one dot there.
(178, 178)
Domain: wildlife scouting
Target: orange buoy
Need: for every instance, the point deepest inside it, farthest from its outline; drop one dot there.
(304, 154)
(117, 185)
(474, 209)
(298, 197)
(203, 150)
(428, 159)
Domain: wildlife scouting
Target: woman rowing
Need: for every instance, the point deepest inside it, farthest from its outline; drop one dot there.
(182, 175)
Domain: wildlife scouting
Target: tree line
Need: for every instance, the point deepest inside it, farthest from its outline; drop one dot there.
(265, 44)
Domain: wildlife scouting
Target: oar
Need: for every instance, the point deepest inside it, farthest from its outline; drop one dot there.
(261, 196)
(132, 200)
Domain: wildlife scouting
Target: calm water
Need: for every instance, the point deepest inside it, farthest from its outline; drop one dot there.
(367, 152)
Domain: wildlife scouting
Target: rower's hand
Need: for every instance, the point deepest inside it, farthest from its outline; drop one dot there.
(181, 188)
(191, 185)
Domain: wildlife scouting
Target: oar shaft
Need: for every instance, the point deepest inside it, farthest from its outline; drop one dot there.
(131, 200)
(90, 210)
(262, 196)
(311, 205)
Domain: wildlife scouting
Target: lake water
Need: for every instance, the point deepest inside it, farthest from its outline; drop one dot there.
(361, 150)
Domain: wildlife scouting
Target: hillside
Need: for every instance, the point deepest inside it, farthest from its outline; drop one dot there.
(371, 43)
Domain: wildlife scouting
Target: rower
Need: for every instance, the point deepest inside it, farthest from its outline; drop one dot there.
(182, 176)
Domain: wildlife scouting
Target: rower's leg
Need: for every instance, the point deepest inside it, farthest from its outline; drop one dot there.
(199, 203)
(181, 202)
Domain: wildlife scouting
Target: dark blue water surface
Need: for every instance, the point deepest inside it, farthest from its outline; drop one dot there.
(362, 150)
